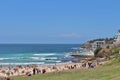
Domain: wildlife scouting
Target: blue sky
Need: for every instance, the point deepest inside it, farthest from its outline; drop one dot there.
(58, 21)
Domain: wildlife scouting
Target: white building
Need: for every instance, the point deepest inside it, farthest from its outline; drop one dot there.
(117, 39)
(98, 44)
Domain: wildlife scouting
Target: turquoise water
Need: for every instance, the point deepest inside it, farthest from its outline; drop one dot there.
(23, 54)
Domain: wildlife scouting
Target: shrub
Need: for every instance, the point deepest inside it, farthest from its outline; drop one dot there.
(97, 51)
(115, 50)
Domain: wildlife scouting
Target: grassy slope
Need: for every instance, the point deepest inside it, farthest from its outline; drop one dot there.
(106, 72)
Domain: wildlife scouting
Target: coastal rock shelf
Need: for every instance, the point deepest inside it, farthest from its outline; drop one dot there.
(83, 54)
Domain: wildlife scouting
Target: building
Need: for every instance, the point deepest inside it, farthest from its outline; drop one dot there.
(117, 38)
(98, 44)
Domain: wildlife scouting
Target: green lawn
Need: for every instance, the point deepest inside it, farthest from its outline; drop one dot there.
(106, 72)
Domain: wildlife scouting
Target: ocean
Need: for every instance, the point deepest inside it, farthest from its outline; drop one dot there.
(27, 54)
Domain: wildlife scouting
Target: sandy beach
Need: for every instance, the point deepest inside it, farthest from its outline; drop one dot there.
(35, 69)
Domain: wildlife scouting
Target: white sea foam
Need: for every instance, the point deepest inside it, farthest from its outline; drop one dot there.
(5, 58)
(68, 54)
(47, 58)
(58, 61)
(46, 54)
(35, 58)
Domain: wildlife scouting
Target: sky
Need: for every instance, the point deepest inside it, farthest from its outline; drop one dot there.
(58, 21)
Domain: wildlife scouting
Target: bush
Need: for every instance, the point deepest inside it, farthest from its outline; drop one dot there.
(115, 50)
(97, 51)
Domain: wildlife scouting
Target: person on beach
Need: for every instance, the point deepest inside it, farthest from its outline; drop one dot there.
(7, 78)
(84, 65)
(34, 71)
(92, 65)
(89, 64)
(38, 71)
(28, 74)
(43, 71)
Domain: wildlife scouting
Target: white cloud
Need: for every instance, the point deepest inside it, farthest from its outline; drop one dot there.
(70, 35)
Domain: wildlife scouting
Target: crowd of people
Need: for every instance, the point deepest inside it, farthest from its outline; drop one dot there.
(30, 70)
